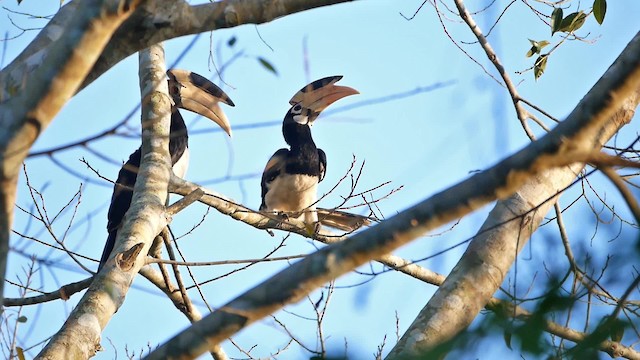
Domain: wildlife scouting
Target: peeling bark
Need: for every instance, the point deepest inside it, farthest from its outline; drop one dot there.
(30, 99)
(592, 121)
(491, 253)
(79, 337)
(82, 41)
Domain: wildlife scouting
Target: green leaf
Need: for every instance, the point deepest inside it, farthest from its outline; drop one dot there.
(536, 47)
(599, 10)
(267, 65)
(573, 22)
(232, 41)
(20, 353)
(22, 319)
(556, 20)
(540, 66)
(531, 51)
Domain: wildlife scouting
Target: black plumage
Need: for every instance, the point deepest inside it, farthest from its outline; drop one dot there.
(189, 91)
(291, 176)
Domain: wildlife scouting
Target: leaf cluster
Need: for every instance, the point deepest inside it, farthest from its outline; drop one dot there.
(563, 24)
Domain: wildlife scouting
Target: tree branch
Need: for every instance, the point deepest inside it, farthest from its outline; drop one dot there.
(79, 337)
(482, 268)
(187, 308)
(580, 133)
(62, 59)
(30, 99)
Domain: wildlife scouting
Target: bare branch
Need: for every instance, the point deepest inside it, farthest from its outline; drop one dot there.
(145, 219)
(182, 204)
(589, 125)
(624, 191)
(491, 253)
(44, 87)
(63, 293)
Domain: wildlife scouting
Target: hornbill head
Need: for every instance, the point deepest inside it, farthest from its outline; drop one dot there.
(196, 93)
(309, 102)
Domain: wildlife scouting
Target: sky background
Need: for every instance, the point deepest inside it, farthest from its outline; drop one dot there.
(427, 117)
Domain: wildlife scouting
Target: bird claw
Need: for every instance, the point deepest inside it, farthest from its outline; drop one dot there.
(283, 215)
(313, 229)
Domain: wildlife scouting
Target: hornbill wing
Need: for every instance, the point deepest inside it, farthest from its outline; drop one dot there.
(323, 164)
(342, 220)
(275, 166)
(189, 91)
(120, 201)
(321, 93)
(196, 93)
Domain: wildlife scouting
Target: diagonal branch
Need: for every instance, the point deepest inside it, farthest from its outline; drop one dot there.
(483, 267)
(63, 58)
(30, 99)
(591, 122)
(154, 22)
(79, 337)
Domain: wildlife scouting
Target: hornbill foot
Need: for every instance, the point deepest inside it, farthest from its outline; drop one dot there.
(276, 215)
(284, 216)
(312, 229)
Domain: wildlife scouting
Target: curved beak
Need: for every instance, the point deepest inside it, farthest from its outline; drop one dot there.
(196, 93)
(321, 93)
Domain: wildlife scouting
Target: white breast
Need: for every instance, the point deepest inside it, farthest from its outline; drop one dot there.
(180, 167)
(291, 192)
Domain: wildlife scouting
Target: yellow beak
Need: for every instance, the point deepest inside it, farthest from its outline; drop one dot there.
(319, 94)
(196, 93)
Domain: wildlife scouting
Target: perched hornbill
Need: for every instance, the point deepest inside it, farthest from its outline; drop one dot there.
(291, 176)
(189, 91)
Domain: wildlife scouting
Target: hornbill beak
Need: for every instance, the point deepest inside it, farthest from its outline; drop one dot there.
(318, 95)
(196, 93)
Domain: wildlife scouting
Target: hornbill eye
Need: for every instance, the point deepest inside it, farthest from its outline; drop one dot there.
(297, 109)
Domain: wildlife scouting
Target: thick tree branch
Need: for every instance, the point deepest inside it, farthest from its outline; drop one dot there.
(79, 337)
(165, 20)
(62, 60)
(30, 99)
(267, 221)
(613, 348)
(187, 308)
(483, 267)
(152, 23)
(578, 134)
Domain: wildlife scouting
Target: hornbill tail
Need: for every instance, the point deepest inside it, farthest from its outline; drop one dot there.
(196, 93)
(342, 220)
(321, 93)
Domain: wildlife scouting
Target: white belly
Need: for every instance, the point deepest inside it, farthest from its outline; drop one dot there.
(180, 168)
(293, 193)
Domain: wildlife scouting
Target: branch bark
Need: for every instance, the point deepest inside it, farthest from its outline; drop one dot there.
(31, 98)
(176, 297)
(592, 121)
(153, 22)
(79, 337)
(490, 255)
(81, 42)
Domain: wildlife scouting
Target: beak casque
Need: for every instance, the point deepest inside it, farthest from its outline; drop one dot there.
(196, 93)
(319, 94)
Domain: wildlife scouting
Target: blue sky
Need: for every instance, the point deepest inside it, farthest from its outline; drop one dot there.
(425, 143)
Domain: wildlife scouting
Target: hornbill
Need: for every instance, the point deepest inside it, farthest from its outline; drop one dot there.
(188, 91)
(291, 176)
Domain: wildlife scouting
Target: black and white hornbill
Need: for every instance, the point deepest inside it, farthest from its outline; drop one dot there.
(290, 179)
(188, 91)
